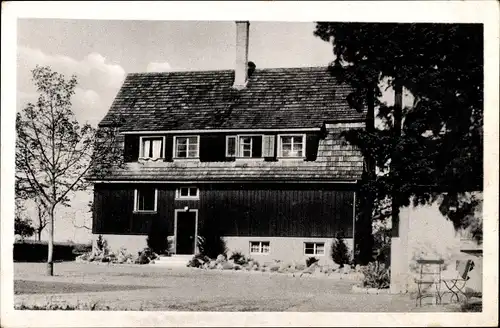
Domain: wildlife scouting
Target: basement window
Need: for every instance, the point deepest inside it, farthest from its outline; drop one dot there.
(260, 247)
(187, 193)
(314, 248)
(145, 199)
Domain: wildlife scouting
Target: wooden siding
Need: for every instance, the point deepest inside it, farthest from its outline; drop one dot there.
(299, 210)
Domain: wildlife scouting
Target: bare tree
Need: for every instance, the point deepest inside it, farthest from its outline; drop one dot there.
(53, 151)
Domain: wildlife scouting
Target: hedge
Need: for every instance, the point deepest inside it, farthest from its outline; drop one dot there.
(34, 251)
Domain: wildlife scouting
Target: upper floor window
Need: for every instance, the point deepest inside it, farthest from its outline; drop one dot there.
(186, 147)
(151, 147)
(245, 146)
(145, 199)
(291, 146)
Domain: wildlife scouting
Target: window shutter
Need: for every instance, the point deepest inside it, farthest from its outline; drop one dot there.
(257, 146)
(169, 148)
(268, 146)
(312, 142)
(131, 148)
(231, 146)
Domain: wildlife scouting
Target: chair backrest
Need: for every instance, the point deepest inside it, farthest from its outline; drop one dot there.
(464, 267)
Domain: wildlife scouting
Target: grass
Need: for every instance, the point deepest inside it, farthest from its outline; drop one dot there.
(79, 286)
(52, 287)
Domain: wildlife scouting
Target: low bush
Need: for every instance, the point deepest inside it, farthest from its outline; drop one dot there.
(376, 275)
(62, 306)
(310, 261)
(146, 256)
(238, 258)
(198, 261)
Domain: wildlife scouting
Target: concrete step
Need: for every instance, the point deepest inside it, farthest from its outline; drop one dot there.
(173, 261)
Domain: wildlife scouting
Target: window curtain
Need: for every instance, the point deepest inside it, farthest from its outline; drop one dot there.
(156, 148)
(145, 148)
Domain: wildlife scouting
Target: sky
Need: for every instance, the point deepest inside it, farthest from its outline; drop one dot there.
(101, 52)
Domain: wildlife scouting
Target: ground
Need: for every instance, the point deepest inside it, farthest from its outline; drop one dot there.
(134, 287)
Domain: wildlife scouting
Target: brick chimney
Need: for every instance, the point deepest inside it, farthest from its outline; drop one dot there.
(241, 62)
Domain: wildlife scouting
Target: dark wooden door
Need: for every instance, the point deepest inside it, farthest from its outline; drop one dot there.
(186, 232)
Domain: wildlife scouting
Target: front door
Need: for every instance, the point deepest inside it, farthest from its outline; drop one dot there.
(186, 233)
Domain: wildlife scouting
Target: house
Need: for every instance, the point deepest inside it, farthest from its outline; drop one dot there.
(255, 152)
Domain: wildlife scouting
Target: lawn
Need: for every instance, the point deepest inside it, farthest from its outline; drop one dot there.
(153, 288)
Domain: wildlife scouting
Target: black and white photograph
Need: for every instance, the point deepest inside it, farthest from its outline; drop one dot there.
(249, 168)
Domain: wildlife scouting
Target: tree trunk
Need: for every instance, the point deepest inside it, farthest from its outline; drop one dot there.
(363, 237)
(399, 247)
(39, 234)
(398, 105)
(50, 263)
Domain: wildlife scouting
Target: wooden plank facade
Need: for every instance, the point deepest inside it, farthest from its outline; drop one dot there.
(253, 209)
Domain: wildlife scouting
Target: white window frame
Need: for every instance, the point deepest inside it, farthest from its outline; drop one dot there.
(238, 154)
(179, 196)
(174, 156)
(261, 247)
(280, 145)
(141, 150)
(315, 248)
(136, 200)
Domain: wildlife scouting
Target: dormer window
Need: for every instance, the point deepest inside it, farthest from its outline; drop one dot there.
(187, 147)
(244, 146)
(291, 146)
(151, 147)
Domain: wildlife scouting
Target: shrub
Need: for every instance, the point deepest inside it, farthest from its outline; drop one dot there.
(239, 258)
(210, 241)
(310, 261)
(376, 275)
(102, 245)
(158, 238)
(340, 252)
(198, 261)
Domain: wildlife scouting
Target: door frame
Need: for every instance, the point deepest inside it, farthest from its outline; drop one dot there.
(181, 210)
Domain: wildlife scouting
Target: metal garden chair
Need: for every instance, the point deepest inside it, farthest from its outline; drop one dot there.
(456, 286)
(430, 274)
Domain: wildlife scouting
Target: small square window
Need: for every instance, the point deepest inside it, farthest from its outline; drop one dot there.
(187, 193)
(314, 248)
(260, 247)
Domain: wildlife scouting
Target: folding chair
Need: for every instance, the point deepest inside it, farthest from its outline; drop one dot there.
(457, 285)
(430, 274)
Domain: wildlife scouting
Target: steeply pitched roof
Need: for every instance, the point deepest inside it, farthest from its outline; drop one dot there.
(274, 98)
